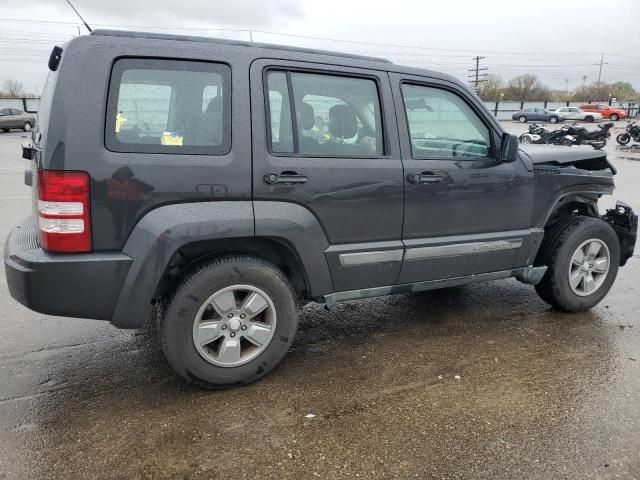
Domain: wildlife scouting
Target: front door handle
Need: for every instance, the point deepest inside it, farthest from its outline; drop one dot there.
(285, 177)
(428, 178)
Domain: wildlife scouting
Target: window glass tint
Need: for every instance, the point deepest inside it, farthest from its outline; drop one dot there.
(280, 113)
(335, 115)
(441, 124)
(164, 106)
(16, 112)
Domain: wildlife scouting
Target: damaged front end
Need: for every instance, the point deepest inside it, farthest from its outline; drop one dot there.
(570, 182)
(625, 223)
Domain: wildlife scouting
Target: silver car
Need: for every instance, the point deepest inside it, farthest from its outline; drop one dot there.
(14, 118)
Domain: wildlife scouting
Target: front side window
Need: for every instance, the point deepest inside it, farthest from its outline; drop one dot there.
(169, 106)
(334, 115)
(441, 124)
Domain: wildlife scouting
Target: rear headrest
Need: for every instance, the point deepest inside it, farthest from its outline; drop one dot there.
(343, 122)
(215, 105)
(306, 116)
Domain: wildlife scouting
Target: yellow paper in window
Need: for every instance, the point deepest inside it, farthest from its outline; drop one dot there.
(170, 138)
(120, 120)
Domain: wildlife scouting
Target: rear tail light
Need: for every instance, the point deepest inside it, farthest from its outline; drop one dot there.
(64, 220)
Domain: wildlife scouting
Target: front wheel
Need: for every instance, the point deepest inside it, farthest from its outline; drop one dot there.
(229, 323)
(613, 117)
(582, 255)
(623, 138)
(522, 119)
(553, 119)
(26, 127)
(589, 119)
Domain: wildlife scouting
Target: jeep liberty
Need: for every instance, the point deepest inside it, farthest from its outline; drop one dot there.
(226, 182)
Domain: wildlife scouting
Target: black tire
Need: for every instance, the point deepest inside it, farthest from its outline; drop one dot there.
(553, 119)
(613, 117)
(623, 138)
(26, 126)
(177, 323)
(566, 143)
(589, 119)
(5, 130)
(522, 119)
(557, 249)
(600, 143)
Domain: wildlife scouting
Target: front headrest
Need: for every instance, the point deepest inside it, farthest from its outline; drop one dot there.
(343, 122)
(215, 105)
(306, 116)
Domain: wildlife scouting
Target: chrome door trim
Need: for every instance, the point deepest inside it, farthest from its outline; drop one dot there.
(367, 258)
(454, 249)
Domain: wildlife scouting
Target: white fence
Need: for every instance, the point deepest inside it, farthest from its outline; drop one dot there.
(504, 110)
(25, 104)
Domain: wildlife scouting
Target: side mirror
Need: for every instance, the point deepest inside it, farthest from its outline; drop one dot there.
(509, 148)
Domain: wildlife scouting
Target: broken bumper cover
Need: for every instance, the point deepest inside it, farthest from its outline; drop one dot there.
(625, 223)
(70, 285)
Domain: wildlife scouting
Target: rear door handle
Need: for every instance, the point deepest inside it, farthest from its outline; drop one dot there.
(428, 178)
(285, 177)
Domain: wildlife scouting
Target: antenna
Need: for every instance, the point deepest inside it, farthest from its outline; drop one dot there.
(80, 16)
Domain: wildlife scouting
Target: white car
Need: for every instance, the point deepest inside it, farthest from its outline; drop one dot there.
(574, 113)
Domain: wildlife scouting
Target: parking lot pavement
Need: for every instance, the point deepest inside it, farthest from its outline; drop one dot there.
(481, 381)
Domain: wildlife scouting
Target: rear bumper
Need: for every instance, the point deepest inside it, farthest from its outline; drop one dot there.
(70, 285)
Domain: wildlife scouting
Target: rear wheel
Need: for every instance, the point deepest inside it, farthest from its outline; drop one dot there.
(229, 323)
(553, 119)
(582, 255)
(613, 117)
(522, 119)
(566, 142)
(589, 119)
(623, 138)
(599, 143)
(5, 130)
(26, 127)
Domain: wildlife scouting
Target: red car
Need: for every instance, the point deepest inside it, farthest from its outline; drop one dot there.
(605, 110)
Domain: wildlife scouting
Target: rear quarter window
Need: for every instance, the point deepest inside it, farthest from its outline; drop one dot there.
(169, 106)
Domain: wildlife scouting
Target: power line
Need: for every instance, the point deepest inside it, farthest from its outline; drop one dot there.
(307, 37)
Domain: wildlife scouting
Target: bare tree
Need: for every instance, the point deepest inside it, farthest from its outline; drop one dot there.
(13, 88)
(491, 88)
(525, 87)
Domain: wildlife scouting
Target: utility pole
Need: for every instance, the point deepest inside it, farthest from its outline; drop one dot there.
(566, 86)
(602, 62)
(476, 77)
(584, 81)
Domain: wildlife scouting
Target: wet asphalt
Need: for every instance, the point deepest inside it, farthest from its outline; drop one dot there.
(480, 381)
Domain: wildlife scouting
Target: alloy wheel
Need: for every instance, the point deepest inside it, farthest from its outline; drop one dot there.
(234, 325)
(589, 267)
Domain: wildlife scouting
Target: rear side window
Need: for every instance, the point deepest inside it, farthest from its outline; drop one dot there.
(169, 106)
(334, 116)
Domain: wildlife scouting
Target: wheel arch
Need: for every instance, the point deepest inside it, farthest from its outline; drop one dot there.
(170, 240)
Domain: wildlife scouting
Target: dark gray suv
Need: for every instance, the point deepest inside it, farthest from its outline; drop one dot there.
(228, 182)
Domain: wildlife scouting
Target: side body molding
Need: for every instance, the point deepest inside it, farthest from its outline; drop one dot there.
(298, 227)
(159, 235)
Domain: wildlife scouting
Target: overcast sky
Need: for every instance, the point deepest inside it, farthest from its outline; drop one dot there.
(556, 40)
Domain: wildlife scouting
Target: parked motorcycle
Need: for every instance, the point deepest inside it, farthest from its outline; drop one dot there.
(539, 134)
(578, 135)
(631, 132)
